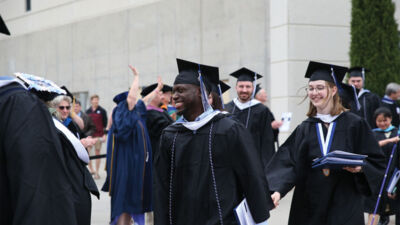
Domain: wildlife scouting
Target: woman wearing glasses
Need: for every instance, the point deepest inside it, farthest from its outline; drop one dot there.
(63, 113)
(328, 196)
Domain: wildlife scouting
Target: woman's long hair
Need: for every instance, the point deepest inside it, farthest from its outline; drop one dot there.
(337, 103)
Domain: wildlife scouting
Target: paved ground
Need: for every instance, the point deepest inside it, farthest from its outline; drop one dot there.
(101, 208)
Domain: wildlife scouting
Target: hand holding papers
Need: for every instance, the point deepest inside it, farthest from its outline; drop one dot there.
(339, 159)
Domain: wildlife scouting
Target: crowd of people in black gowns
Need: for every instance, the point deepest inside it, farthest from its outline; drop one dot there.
(183, 154)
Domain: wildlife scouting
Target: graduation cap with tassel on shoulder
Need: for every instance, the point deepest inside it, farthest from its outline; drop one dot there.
(334, 74)
(195, 74)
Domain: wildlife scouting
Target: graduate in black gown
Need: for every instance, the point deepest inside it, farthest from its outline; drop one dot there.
(73, 148)
(157, 119)
(252, 114)
(34, 184)
(208, 162)
(369, 101)
(329, 197)
(387, 135)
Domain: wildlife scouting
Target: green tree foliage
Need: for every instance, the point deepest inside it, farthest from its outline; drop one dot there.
(375, 42)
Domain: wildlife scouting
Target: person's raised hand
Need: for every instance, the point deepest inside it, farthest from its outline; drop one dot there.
(159, 84)
(134, 70)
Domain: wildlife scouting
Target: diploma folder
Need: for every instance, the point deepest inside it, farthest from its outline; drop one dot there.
(339, 159)
(243, 214)
(393, 181)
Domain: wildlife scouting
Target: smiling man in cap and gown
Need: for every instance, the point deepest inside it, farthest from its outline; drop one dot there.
(208, 162)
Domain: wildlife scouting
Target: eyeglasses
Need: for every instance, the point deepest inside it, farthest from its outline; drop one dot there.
(318, 89)
(64, 107)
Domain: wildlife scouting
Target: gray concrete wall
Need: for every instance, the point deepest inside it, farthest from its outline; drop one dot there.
(93, 55)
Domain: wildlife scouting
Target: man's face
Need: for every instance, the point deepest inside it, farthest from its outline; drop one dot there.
(185, 96)
(398, 95)
(94, 102)
(166, 97)
(77, 108)
(244, 90)
(357, 82)
(262, 96)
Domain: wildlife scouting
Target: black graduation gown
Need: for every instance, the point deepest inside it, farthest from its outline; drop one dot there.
(156, 122)
(238, 173)
(34, 183)
(274, 131)
(387, 206)
(330, 200)
(369, 103)
(259, 126)
(81, 181)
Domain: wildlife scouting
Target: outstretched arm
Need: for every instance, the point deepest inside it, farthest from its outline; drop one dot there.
(131, 99)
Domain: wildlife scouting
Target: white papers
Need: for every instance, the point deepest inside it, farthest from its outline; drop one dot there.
(393, 181)
(243, 214)
(286, 119)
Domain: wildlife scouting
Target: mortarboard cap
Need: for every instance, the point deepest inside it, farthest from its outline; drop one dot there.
(166, 88)
(224, 86)
(120, 97)
(189, 73)
(147, 90)
(69, 94)
(357, 71)
(245, 74)
(323, 71)
(3, 27)
(43, 88)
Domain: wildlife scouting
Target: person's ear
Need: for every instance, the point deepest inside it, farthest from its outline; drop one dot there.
(334, 90)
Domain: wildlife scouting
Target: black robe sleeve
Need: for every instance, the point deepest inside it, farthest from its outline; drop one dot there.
(161, 181)
(281, 171)
(250, 174)
(34, 188)
(267, 137)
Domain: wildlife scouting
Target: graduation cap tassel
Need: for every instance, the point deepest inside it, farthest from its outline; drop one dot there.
(383, 184)
(252, 97)
(254, 86)
(334, 79)
(204, 98)
(356, 98)
(220, 96)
